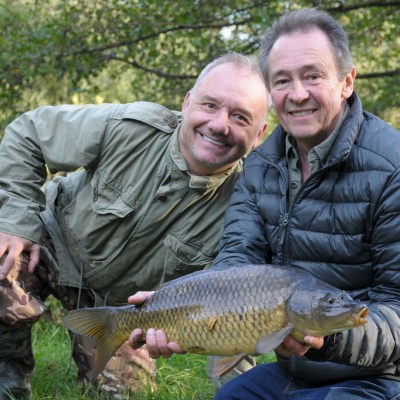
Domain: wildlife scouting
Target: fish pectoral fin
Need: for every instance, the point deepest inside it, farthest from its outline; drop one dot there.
(270, 342)
(226, 364)
(212, 322)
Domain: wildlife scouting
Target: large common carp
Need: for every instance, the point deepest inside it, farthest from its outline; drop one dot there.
(232, 312)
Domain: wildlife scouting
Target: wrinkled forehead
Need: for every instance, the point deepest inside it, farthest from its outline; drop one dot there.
(297, 48)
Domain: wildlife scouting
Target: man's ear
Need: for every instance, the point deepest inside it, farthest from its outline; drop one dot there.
(186, 102)
(348, 83)
(260, 135)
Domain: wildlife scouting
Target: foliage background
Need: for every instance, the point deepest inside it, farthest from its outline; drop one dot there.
(85, 51)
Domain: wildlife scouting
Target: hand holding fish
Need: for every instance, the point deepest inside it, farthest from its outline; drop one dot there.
(156, 340)
(290, 346)
(249, 309)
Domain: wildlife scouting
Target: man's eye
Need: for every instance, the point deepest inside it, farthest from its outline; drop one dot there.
(210, 105)
(281, 82)
(313, 77)
(240, 117)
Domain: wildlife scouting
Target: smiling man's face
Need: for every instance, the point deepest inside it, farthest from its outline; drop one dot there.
(307, 94)
(223, 118)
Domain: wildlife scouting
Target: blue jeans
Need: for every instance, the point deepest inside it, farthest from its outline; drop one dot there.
(270, 382)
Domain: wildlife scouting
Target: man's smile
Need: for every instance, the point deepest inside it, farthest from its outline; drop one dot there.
(301, 113)
(213, 141)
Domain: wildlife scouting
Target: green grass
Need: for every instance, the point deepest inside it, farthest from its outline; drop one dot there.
(181, 377)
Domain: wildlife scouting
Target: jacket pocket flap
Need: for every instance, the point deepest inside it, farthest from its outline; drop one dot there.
(187, 253)
(107, 199)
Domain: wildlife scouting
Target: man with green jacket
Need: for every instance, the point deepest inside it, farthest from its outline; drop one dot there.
(144, 205)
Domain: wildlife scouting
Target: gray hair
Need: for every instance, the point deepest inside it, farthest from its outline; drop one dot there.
(237, 59)
(303, 21)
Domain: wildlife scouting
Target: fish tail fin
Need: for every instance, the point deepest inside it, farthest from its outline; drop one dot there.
(95, 323)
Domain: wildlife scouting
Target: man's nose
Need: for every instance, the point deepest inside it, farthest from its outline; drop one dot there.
(298, 91)
(219, 122)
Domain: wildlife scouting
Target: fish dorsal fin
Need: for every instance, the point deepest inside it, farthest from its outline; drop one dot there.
(203, 272)
(224, 365)
(270, 342)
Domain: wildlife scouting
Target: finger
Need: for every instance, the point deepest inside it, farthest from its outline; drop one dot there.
(137, 338)
(162, 344)
(314, 341)
(34, 255)
(151, 342)
(137, 298)
(8, 263)
(299, 349)
(294, 347)
(3, 248)
(175, 348)
(140, 297)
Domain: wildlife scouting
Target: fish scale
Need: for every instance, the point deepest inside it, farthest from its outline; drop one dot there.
(231, 312)
(232, 307)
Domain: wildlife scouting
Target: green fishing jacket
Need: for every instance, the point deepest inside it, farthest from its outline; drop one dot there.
(132, 217)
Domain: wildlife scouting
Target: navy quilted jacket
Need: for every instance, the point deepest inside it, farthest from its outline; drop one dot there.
(343, 227)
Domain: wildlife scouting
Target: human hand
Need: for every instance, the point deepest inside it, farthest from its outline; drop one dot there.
(290, 346)
(11, 247)
(156, 340)
(137, 338)
(140, 297)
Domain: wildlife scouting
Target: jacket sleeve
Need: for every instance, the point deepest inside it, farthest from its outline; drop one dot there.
(243, 240)
(61, 138)
(378, 342)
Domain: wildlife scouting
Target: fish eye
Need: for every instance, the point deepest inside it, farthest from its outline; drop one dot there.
(331, 300)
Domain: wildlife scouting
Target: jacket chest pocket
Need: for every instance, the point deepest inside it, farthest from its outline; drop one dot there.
(189, 253)
(99, 218)
(171, 258)
(107, 199)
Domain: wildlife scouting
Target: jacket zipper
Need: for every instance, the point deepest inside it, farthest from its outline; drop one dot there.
(285, 241)
(285, 222)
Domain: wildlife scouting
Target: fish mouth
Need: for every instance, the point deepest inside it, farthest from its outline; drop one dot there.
(361, 316)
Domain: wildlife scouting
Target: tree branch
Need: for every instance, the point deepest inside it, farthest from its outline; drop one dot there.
(207, 24)
(163, 31)
(345, 8)
(161, 74)
(371, 75)
(157, 72)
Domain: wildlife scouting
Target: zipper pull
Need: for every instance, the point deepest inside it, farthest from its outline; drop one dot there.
(285, 219)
